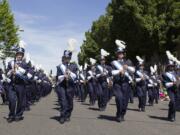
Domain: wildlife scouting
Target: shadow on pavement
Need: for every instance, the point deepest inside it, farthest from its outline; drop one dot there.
(106, 117)
(132, 109)
(112, 104)
(79, 101)
(85, 104)
(164, 109)
(94, 109)
(56, 108)
(55, 118)
(56, 104)
(158, 118)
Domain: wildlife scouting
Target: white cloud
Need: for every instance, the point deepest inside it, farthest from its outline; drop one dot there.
(28, 18)
(46, 45)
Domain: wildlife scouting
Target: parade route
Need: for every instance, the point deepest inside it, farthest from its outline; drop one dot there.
(83, 53)
(86, 120)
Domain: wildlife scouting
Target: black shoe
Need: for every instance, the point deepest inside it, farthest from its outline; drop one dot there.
(61, 120)
(19, 118)
(30, 103)
(37, 100)
(150, 104)
(171, 119)
(143, 109)
(27, 109)
(118, 119)
(122, 118)
(5, 103)
(10, 119)
(91, 104)
(101, 109)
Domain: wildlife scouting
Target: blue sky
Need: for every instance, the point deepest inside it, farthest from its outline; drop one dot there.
(48, 24)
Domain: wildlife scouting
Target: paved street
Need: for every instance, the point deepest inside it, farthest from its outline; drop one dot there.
(43, 120)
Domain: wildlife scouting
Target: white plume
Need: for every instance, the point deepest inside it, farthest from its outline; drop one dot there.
(1, 53)
(8, 59)
(169, 55)
(40, 66)
(92, 61)
(71, 44)
(46, 73)
(120, 43)
(152, 70)
(37, 67)
(1, 43)
(32, 63)
(6, 62)
(85, 66)
(139, 59)
(155, 68)
(22, 44)
(172, 57)
(104, 52)
(178, 62)
(28, 59)
(80, 68)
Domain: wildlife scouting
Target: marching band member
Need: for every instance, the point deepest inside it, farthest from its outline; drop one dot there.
(170, 83)
(17, 71)
(66, 76)
(92, 83)
(141, 78)
(82, 84)
(103, 75)
(121, 79)
(153, 86)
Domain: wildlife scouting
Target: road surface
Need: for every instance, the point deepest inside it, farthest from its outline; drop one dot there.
(86, 120)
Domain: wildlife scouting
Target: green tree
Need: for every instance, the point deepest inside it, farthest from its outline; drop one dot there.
(98, 37)
(8, 30)
(149, 27)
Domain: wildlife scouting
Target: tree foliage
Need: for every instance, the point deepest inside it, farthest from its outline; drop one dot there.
(149, 27)
(8, 30)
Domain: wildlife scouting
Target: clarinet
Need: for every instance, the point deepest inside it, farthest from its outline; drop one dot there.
(14, 74)
(68, 76)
